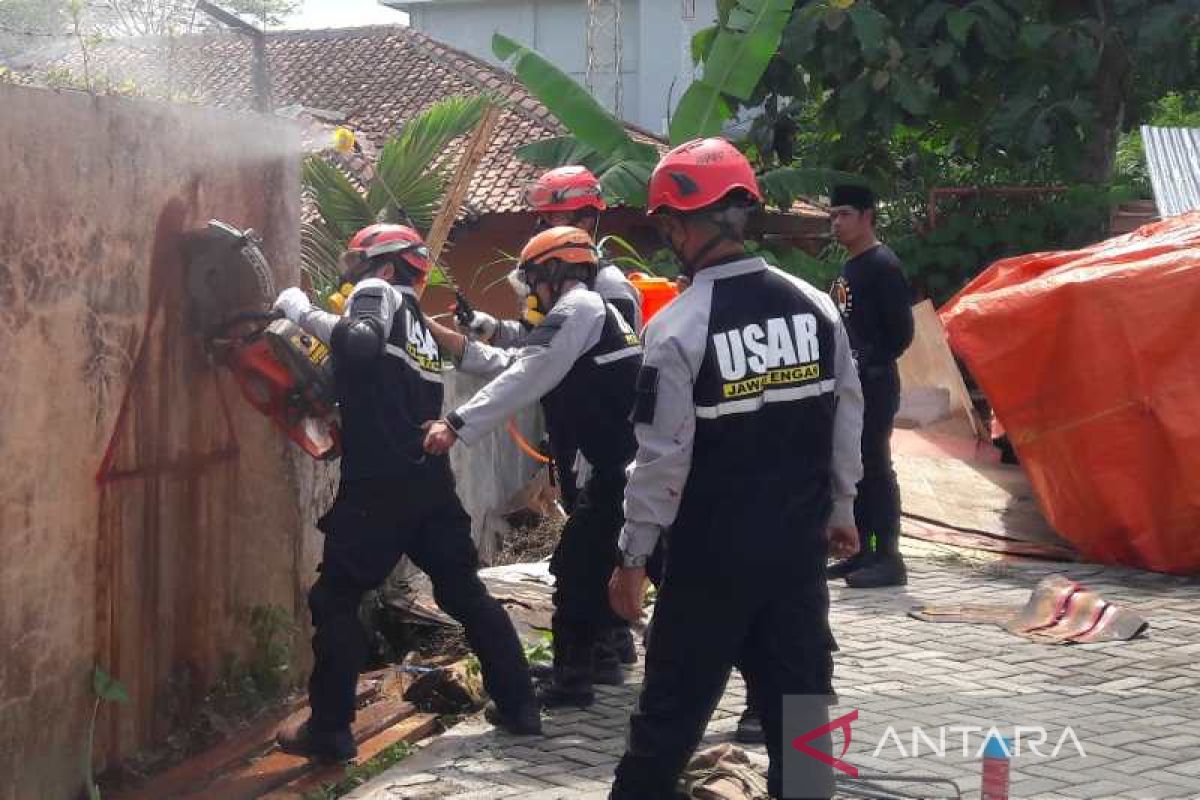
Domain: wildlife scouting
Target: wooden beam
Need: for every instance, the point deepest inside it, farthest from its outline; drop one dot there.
(410, 730)
(439, 231)
(201, 769)
(929, 362)
(278, 769)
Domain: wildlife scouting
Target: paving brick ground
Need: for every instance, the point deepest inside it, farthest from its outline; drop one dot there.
(1133, 707)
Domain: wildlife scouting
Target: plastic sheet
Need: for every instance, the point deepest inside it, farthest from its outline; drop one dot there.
(1091, 361)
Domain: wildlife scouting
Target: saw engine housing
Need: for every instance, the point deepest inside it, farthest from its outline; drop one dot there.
(281, 370)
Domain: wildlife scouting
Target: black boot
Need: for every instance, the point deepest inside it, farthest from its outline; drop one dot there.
(567, 688)
(606, 665)
(571, 682)
(621, 639)
(840, 569)
(327, 747)
(749, 728)
(878, 570)
(526, 721)
(606, 669)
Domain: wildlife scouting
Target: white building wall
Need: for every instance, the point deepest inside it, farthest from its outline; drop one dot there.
(656, 41)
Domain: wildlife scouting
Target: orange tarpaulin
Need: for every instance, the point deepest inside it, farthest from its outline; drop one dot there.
(1091, 360)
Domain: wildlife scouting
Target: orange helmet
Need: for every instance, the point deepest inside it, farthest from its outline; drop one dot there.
(384, 239)
(550, 254)
(699, 173)
(565, 189)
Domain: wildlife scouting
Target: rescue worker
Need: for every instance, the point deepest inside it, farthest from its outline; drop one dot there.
(580, 361)
(748, 413)
(572, 195)
(876, 302)
(394, 499)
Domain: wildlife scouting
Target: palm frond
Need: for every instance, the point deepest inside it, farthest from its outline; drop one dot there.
(404, 175)
(341, 205)
(319, 253)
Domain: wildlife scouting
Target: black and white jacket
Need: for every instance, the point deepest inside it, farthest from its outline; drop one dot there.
(748, 381)
(581, 362)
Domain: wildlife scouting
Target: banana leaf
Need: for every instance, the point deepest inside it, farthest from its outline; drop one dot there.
(734, 63)
(574, 107)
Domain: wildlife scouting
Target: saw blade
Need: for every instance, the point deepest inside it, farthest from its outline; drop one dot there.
(227, 274)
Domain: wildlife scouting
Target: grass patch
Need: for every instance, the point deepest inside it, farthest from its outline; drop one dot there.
(359, 774)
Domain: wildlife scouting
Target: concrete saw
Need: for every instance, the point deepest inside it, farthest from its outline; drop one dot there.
(282, 371)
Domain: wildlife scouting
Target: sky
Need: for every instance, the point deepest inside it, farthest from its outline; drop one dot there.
(343, 14)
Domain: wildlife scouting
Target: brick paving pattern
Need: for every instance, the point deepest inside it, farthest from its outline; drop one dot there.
(1134, 707)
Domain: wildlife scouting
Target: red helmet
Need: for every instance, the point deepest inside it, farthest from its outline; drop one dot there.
(383, 239)
(565, 189)
(699, 173)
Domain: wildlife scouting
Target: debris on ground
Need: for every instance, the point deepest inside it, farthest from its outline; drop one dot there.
(1059, 611)
(453, 689)
(723, 772)
(248, 765)
(524, 590)
(532, 538)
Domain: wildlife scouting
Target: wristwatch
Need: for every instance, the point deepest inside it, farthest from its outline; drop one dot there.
(633, 562)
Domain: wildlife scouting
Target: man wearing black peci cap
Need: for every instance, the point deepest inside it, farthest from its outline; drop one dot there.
(875, 300)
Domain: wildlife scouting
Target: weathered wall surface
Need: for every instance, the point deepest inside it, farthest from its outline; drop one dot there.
(195, 518)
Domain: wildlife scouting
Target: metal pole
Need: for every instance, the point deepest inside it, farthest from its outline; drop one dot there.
(261, 70)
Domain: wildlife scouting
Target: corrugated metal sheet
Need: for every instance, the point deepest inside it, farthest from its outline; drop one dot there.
(1173, 156)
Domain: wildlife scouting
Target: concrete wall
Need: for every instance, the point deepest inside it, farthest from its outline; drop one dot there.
(200, 514)
(656, 37)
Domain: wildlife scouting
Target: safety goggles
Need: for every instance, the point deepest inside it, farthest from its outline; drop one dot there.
(355, 264)
(538, 196)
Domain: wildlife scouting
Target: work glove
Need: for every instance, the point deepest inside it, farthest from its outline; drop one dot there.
(481, 326)
(293, 302)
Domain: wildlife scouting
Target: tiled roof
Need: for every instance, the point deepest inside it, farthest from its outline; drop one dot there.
(377, 77)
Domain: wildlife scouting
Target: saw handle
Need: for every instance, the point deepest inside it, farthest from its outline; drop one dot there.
(221, 329)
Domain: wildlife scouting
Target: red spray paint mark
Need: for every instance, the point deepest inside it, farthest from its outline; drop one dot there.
(149, 621)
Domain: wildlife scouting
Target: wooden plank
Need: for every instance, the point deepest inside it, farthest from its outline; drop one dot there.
(992, 499)
(277, 768)
(439, 231)
(929, 362)
(411, 730)
(242, 745)
(931, 443)
(198, 770)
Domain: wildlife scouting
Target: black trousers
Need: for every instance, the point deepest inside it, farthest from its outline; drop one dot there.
(370, 526)
(745, 584)
(582, 564)
(877, 506)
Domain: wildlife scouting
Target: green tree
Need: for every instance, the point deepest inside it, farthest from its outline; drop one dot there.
(1022, 85)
